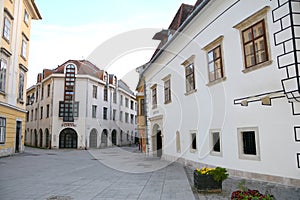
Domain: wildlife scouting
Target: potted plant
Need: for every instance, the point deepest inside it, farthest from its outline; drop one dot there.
(209, 179)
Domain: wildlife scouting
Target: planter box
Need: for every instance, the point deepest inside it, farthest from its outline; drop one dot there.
(206, 183)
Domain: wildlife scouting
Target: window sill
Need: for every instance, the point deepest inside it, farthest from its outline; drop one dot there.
(7, 40)
(190, 92)
(216, 81)
(2, 93)
(193, 150)
(154, 107)
(215, 153)
(255, 67)
(22, 56)
(20, 101)
(249, 157)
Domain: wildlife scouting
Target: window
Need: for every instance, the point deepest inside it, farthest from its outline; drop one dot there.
(178, 146)
(6, 29)
(135, 119)
(48, 90)
(105, 93)
(68, 110)
(131, 118)
(121, 100)
(48, 111)
(121, 116)
(2, 130)
(215, 143)
(104, 113)
(94, 91)
(126, 102)
(31, 115)
(254, 40)
(37, 94)
(114, 114)
(42, 93)
(131, 105)
(69, 83)
(94, 111)
(255, 44)
(42, 110)
(26, 17)
(3, 66)
(189, 78)
(193, 142)
(24, 48)
(167, 90)
(248, 143)
(27, 116)
(21, 86)
(142, 107)
(115, 96)
(36, 114)
(215, 66)
(126, 117)
(154, 97)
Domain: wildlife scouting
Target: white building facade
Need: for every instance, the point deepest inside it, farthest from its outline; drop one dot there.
(79, 106)
(224, 90)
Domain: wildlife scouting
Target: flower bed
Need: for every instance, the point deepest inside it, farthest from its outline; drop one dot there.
(250, 194)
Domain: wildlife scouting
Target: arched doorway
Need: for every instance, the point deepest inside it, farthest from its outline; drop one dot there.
(93, 138)
(157, 140)
(47, 138)
(104, 138)
(68, 138)
(41, 138)
(35, 138)
(114, 137)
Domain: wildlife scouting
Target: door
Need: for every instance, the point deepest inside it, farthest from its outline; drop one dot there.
(18, 136)
(93, 139)
(159, 144)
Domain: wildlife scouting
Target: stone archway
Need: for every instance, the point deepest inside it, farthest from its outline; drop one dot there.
(68, 138)
(93, 138)
(104, 138)
(114, 137)
(47, 145)
(157, 140)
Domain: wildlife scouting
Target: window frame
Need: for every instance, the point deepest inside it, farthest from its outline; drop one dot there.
(21, 85)
(105, 93)
(47, 110)
(105, 113)
(3, 80)
(192, 140)
(24, 49)
(167, 89)
(242, 154)
(95, 89)
(2, 130)
(26, 17)
(212, 142)
(251, 21)
(94, 111)
(6, 31)
(154, 96)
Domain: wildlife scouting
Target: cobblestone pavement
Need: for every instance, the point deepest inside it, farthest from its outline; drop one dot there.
(280, 192)
(98, 174)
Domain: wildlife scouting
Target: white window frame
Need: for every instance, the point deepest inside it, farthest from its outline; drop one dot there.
(211, 142)
(24, 47)
(2, 130)
(242, 155)
(26, 17)
(7, 25)
(192, 150)
(3, 66)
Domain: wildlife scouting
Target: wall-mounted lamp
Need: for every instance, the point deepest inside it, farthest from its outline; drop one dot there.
(244, 103)
(266, 101)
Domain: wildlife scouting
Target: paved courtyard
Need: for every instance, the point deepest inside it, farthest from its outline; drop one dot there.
(90, 175)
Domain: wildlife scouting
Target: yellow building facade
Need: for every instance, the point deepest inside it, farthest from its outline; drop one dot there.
(15, 18)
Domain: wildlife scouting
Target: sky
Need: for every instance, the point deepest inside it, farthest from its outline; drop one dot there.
(77, 29)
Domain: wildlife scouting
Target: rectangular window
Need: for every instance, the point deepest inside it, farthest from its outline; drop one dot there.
(215, 142)
(121, 100)
(115, 96)
(126, 102)
(94, 91)
(167, 90)
(248, 143)
(255, 44)
(154, 98)
(94, 111)
(215, 66)
(2, 130)
(131, 118)
(104, 113)
(31, 115)
(36, 114)
(42, 110)
(27, 116)
(37, 94)
(68, 110)
(3, 66)
(105, 94)
(24, 48)
(6, 29)
(121, 116)
(48, 90)
(48, 111)
(190, 77)
(193, 142)
(142, 107)
(26, 17)
(114, 114)
(126, 118)
(21, 86)
(42, 93)
(131, 105)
